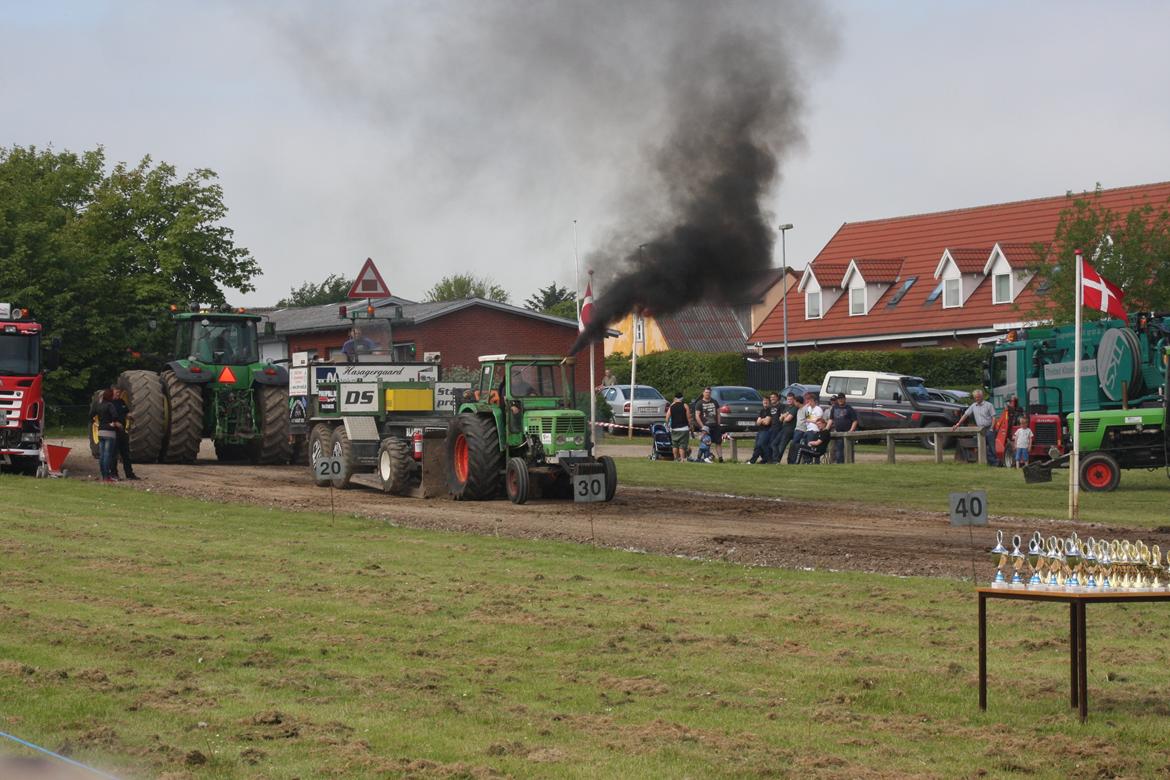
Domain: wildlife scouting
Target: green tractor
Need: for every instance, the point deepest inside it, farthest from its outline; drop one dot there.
(217, 388)
(1115, 439)
(519, 432)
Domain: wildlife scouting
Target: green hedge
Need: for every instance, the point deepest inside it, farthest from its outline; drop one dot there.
(959, 368)
(676, 370)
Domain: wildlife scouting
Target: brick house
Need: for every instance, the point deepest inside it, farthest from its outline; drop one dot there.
(458, 331)
(949, 278)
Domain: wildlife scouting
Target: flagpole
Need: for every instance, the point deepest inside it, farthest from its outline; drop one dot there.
(576, 274)
(592, 378)
(1074, 477)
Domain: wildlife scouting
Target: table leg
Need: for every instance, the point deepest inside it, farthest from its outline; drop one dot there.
(1074, 636)
(982, 651)
(1082, 661)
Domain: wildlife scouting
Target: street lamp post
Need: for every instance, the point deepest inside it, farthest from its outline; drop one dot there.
(784, 296)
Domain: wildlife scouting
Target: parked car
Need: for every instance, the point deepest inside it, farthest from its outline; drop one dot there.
(739, 407)
(649, 405)
(798, 390)
(884, 401)
(950, 396)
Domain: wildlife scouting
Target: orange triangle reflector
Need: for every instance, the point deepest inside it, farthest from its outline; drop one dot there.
(227, 377)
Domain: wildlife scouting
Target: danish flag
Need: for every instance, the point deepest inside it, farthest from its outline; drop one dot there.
(1099, 294)
(586, 315)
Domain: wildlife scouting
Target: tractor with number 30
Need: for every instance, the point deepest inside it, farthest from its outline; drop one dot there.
(519, 432)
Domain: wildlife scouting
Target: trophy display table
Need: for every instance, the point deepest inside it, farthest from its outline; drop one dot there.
(1078, 653)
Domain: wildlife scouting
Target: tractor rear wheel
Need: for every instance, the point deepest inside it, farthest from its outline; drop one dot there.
(185, 421)
(94, 419)
(610, 476)
(340, 447)
(1100, 473)
(148, 410)
(396, 466)
(272, 420)
(475, 462)
(516, 481)
(320, 446)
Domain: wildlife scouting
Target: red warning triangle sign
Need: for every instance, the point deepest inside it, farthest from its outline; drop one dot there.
(227, 377)
(369, 283)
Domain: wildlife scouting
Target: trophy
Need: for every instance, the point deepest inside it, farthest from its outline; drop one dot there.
(1018, 559)
(1036, 560)
(1104, 563)
(1072, 556)
(1123, 555)
(1089, 558)
(999, 554)
(1055, 563)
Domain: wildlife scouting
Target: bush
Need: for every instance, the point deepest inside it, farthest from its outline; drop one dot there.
(689, 372)
(958, 368)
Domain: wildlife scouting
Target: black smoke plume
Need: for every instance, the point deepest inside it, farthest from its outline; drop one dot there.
(735, 106)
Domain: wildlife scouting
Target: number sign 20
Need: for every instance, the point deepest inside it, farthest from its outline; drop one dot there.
(328, 468)
(588, 487)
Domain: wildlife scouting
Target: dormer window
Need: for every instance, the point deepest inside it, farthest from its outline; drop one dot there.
(952, 293)
(812, 305)
(856, 301)
(1003, 288)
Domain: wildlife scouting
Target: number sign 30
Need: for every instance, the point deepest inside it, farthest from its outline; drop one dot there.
(588, 487)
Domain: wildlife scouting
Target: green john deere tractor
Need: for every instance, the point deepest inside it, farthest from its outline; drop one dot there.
(518, 432)
(217, 387)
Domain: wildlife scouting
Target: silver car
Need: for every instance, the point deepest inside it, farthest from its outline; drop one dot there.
(649, 405)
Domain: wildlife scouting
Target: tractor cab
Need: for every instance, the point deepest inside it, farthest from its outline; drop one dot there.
(217, 339)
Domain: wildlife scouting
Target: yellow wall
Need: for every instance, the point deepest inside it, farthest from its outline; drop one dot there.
(654, 340)
(773, 298)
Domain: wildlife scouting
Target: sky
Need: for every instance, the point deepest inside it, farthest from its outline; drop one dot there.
(416, 133)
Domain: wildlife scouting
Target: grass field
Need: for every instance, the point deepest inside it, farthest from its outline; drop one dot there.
(1142, 500)
(158, 636)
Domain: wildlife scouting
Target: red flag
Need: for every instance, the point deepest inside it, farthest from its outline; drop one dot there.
(1099, 294)
(586, 308)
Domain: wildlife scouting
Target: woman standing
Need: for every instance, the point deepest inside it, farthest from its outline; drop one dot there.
(108, 426)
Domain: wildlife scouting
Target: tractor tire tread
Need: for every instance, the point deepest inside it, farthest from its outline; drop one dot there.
(148, 407)
(185, 420)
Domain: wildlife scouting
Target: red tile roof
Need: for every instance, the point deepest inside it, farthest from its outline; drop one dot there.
(921, 239)
(1020, 255)
(970, 261)
(875, 271)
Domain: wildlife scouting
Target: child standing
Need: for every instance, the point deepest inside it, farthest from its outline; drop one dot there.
(1022, 442)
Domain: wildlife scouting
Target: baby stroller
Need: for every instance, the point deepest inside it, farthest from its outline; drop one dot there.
(661, 447)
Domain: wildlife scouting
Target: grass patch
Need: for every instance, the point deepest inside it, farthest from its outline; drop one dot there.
(1140, 501)
(152, 634)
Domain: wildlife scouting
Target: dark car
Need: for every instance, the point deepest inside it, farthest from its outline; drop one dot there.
(739, 407)
(798, 390)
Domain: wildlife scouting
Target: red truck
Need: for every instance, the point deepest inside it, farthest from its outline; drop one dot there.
(22, 406)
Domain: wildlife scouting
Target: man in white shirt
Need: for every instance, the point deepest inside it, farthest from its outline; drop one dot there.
(806, 425)
(982, 414)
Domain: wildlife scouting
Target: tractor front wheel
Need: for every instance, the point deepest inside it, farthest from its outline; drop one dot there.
(185, 421)
(341, 447)
(516, 481)
(396, 467)
(1100, 473)
(320, 446)
(148, 410)
(475, 461)
(610, 476)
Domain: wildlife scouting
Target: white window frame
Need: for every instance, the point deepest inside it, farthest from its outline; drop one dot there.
(958, 282)
(852, 302)
(995, 288)
(809, 297)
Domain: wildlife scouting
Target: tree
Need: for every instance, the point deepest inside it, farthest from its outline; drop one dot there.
(333, 289)
(566, 309)
(547, 297)
(99, 256)
(1135, 256)
(459, 286)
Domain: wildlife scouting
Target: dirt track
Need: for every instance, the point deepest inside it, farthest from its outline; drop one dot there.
(772, 532)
